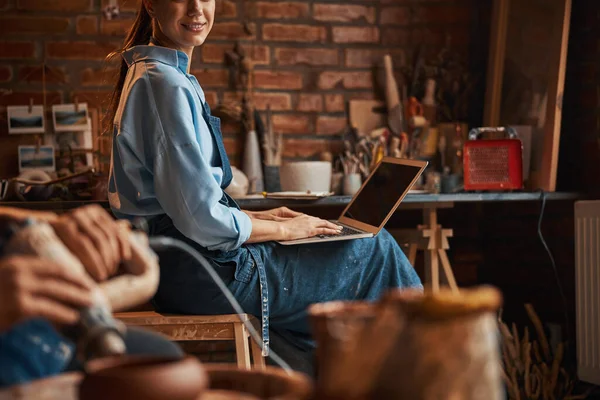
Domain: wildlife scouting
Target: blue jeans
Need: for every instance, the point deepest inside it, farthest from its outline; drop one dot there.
(33, 349)
(296, 276)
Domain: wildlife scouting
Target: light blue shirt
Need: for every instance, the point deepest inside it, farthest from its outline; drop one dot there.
(164, 158)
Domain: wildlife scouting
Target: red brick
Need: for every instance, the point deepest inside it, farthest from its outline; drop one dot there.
(232, 147)
(230, 127)
(294, 33)
(54, 5)
(33, 25)
(310, 102)
(225, 9)
(5, 73)
(80, 50)
(261, 100)
(295, 148)
(280, 10)
(277, 101)
(212, 77)
(265, 79)
(355, 34)
(94, 98)
(115, 27)
(345, 80)
(430, 35)
(343, 13)
(291, 123)
(86, 25)
(17, 49)
(215, 53)
(395, 15)
(17, 98)
(362, 96)
(125, 5)
(35, 74)
(231, 30)
(99, 76)
(316, 57)
(441, 14)
(330, 125)
(212, 98)
(334, 103)
(366, 58)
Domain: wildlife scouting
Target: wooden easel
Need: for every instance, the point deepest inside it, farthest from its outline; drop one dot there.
(432, 239)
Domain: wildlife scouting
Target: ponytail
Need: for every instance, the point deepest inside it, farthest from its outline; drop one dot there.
(139, 34)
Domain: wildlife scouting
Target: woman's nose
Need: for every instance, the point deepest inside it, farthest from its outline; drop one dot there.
(194, 7)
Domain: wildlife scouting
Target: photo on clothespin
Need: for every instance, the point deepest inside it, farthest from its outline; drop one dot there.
(25, 119)
(68, 118)
(34, 157)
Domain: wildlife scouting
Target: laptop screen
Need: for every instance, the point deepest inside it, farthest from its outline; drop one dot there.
(381, 193)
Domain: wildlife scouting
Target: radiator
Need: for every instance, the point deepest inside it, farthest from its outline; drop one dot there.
(587, 289)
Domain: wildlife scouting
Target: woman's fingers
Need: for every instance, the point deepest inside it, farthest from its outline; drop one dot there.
(124, 230)
(327, 231)
(53, 311)
(62, 291)
(82, 247)
(88, 227)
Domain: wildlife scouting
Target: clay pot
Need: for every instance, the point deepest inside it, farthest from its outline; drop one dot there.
(143, 378)
(227, 382)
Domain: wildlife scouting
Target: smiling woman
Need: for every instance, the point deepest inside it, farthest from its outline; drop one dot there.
(169, 165)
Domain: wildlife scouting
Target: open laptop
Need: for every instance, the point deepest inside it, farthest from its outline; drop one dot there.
(375, 202)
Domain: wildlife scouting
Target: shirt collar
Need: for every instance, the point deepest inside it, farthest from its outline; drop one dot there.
(176, 58)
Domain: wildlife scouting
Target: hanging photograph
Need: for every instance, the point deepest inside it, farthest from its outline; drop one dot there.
(68, 118)
(25, 119)
(34, 157)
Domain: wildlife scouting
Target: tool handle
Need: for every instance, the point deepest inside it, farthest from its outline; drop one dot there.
(391, 87)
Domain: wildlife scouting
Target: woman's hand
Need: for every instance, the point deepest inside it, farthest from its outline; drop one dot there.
(276, 214)
(100, 242)
(305, 226)
(35, 287)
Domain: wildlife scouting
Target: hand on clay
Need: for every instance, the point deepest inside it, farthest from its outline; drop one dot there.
(93, 236)
(34, 287)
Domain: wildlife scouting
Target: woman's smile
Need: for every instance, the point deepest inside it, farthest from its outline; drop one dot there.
(196, 27)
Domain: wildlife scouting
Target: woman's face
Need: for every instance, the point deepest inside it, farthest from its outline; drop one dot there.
(182, 24)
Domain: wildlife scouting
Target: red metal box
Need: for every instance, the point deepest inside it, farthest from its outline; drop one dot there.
(493, 164)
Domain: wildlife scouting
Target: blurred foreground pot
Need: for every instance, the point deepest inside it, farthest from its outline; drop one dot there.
(227, 382)
(410, 345)
(143, 378)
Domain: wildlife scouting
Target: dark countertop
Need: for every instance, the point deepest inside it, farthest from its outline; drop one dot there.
(257, 201)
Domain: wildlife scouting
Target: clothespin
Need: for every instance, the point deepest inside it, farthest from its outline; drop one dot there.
(30, 105)
(76, 101)
(38, 143)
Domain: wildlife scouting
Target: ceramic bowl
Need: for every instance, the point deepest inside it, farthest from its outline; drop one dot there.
(302, 176)
(143, 378)
(231, 383)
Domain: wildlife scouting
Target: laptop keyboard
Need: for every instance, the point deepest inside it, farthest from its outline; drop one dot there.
(345, 232)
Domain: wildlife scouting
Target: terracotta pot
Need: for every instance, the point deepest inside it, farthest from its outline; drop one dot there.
(230, 382)
(143, 378)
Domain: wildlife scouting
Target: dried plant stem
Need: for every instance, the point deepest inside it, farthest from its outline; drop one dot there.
(539, 330)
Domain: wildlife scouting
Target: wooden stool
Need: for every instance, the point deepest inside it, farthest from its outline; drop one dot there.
(202, 327)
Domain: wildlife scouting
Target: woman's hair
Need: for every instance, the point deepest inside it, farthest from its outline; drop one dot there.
(139, 34)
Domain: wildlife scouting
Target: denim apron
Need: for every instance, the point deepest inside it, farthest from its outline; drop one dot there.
(236, 266)
(273, 281)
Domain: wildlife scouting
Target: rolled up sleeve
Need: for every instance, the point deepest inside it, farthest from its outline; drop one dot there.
(183, 181)
(190, 195)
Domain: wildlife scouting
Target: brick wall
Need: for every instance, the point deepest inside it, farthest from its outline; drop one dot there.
(311, 56)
